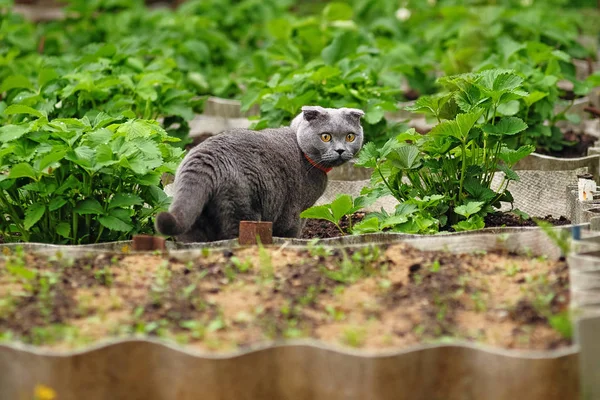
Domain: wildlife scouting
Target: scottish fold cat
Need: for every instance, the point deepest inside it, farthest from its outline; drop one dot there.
(269, 175)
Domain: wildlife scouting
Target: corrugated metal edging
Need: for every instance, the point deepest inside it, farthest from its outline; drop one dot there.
(587, 335)
(517, 237)
(149, 370)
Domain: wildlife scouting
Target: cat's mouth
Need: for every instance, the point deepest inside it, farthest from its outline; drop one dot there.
(336, 162)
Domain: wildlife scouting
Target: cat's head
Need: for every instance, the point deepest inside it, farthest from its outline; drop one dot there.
(329, 136)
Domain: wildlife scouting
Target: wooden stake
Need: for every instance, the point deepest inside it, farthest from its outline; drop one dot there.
(251, 230)
(148, 243)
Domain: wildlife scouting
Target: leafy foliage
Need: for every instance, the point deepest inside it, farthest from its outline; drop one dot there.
(445, 177)
(342, 206)
(77, 181)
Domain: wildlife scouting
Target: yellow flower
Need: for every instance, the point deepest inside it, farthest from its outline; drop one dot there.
(43, 392)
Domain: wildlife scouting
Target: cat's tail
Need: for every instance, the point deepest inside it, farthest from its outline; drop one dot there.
(189, 201)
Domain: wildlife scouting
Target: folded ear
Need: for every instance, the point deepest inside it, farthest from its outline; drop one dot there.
(311, 113)
(354, 114)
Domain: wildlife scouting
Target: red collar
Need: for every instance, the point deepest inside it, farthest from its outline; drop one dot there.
(318, 166)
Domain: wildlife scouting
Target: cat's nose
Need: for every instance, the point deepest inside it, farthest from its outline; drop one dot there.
(340, 151)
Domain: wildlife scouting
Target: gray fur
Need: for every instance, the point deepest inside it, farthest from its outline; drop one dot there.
(258, 176)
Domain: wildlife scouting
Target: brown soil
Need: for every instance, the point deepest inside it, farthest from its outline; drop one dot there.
(582, 141)
(500, 219)
(376, 297)
(318, 228)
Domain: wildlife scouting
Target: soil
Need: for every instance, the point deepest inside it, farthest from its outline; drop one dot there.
(500, 219)
(582, 140)
(391, 296)
(318, 228)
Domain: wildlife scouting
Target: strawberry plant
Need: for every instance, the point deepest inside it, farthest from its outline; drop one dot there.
(342, 206)
(104, 80)
(448, 172)
(79, 181)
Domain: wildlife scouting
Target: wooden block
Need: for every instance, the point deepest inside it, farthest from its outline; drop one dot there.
(159, 243)
(251, 230)
(143, 243)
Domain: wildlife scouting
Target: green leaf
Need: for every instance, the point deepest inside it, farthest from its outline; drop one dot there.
(506, 126)
(45, 76)
(369, 225)
(428, 104)
(318, 212)
(374, 114)
(508, 109)
(466, 122)
(446, 129)
(64, 230)
(89, 206)
(507, 82)
(14, 82)
(394, 220)
(509, 173)
(33, 214)
(125, 200)
(114, 224)
(511, 157)
(477, 191)
(338, 11)
(12, 132)
(341, 206)
(22, 170)
(472, 207)
(534, 97)
(21, 109)
(406, 157)
(474, 222)
(52, 157)
(367, 157)
(56, 203)
(343, 45)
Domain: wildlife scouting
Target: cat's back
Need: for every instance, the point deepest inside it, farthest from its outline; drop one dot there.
(245, 141)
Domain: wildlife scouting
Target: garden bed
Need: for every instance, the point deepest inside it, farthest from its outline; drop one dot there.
(419, 320)
(371, 297)
(318, 228)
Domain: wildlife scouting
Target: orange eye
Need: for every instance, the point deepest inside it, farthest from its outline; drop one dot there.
(326, 137)
(350, 137)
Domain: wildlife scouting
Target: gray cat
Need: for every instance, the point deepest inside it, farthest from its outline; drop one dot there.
(269, 175)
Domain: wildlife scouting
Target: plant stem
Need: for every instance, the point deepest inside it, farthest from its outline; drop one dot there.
(75, 226)
(463, 171)
(396, 195)
(99, 233)
(340, 228)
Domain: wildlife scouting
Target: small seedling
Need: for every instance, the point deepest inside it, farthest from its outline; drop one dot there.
(266, 264)
(318, 250)
(197, 328)
(512, 269)
(479, 302)
(310, 297)
(335, 314)
(342, 206)
(354, 336)
(241, 265)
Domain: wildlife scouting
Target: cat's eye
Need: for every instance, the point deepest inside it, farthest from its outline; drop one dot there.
(350, 137)
(326, 137)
